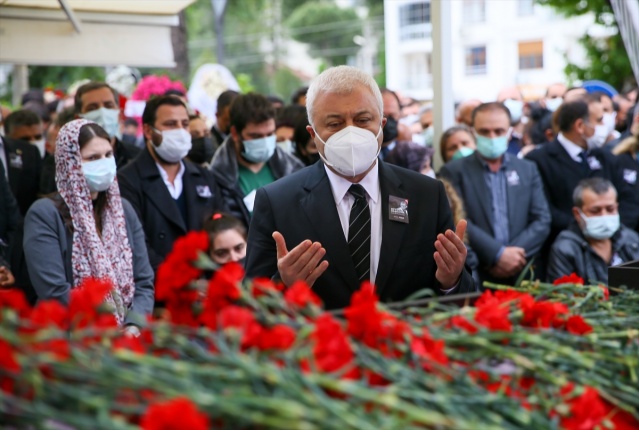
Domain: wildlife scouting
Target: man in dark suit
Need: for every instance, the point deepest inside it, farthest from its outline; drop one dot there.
(172, 196)
(222, 126)
(10, 224)
(508, 219)
(576, 154)
(22, 163)
(98, 102)
(354, 218)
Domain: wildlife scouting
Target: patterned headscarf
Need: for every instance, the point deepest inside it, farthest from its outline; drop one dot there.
(109, 257)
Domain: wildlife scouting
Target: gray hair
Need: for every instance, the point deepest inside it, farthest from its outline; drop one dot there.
(341, 80)
(597, 185)
(427, 107)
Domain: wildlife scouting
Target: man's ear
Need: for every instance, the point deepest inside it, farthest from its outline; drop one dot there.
(234, 134)
(311, 131)
(577, 215)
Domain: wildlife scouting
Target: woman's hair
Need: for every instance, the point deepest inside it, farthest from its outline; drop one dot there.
(447, 135)
(219, 222)
(456, 203)
(87, 132)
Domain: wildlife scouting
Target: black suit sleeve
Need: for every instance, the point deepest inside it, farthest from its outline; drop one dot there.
(261, 257)
(133, 194)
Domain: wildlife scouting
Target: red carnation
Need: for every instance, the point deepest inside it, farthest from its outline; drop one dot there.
(494, 317)
(86, 299)
(8, 364)
(131, 343)
(223, 290)
(279, 337)
(606, 292)
(263, 286)
(461, 322)
(429, 349)
(49, 313)
(177, 414)
(544, 314)
(177, 271)
(570, 279)
(332, 350)
(587, 411)
(14, 299)
(299, 295)
(576, 324)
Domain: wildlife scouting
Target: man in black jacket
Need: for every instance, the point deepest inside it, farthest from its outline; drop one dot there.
(172, 196)
(250, 158)
(354, 218)
(595, 239)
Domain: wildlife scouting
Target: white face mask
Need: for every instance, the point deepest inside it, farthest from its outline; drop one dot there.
(175, 144)
(351, 151)
(600, 227)
(553, 104)
(609, 120)
(286, 145)
(515, 107)
(108, 119)
(99, 173)
(598, 139)
(40, 145)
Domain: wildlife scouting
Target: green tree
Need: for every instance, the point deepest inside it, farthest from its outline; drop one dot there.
(328, 29)
(61, 76)
(607, 57)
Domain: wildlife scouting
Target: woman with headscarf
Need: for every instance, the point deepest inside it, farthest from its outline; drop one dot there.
(86, 230)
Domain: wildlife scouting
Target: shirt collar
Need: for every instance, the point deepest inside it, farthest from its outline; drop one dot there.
(340, 186)
(505, 161)
(165, 176)
(571, 148)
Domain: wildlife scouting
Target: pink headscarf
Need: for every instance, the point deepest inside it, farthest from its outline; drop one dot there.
(109, 257)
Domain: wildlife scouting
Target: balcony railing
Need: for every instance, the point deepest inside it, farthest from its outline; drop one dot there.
(415, 31)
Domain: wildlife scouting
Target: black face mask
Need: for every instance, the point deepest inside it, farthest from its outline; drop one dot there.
(201, 150)
(390, 129)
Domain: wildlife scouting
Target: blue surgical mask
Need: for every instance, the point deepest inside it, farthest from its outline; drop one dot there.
(515, 107)
(99, 173)
(462, 152)
(259, 150)
(600, 227)
(108, 119)
(492, 148)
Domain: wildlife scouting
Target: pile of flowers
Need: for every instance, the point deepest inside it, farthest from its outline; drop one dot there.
(153, 85)
(231, 353)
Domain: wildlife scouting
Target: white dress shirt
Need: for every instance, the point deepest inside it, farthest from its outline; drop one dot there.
(571, 148)
(344, 202)
(175, 188)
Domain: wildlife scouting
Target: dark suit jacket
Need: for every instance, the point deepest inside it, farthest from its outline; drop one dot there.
(142, 185)
(24, 164)
(561, 174)
(301, 206)
(528, 216)
(10, 220)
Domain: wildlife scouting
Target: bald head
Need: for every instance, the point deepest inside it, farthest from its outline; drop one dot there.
(511, 93)
(465, 110)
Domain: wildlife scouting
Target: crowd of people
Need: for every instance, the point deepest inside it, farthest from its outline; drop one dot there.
(337, 188)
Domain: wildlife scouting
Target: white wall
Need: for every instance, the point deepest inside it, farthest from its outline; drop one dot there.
(500, 33)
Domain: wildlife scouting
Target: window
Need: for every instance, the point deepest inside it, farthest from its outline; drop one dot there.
(531, 55)
(525, 7)
(474, 11)
(414, 21)
(476, 60)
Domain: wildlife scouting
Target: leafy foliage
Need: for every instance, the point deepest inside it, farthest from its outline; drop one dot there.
(608, 59)
(334, 43)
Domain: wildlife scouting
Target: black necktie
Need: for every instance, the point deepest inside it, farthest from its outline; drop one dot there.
(359, 233)
(584, 161)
